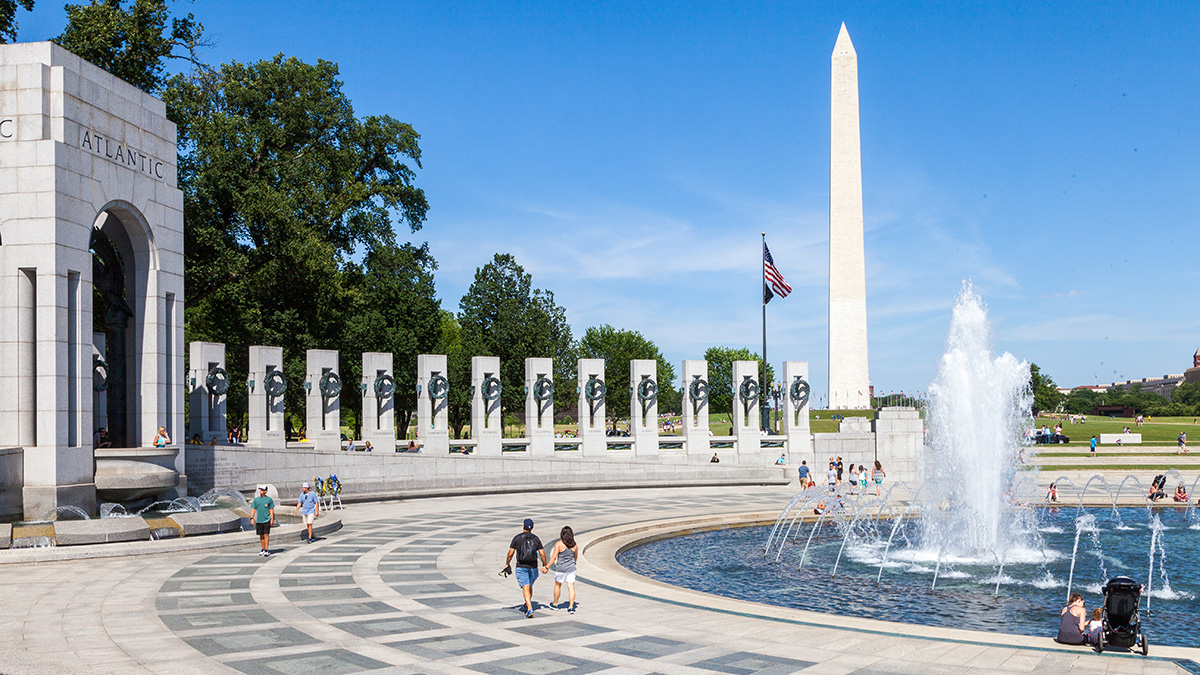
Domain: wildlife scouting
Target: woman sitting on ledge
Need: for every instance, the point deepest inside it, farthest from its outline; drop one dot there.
(1181, 494)
(1072, 623)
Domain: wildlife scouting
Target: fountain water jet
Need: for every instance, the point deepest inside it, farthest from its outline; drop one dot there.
(978, 406)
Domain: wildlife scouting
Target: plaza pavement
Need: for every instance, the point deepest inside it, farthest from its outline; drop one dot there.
(412, 587)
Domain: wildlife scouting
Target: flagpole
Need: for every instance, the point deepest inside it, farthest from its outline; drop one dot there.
(763, 384)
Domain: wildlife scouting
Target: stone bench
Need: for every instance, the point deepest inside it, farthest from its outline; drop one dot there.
(1126, 439)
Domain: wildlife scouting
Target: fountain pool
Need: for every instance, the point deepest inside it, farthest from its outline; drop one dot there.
(1032, 587)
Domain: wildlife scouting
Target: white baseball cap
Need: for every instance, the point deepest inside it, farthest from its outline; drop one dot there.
(305, 485)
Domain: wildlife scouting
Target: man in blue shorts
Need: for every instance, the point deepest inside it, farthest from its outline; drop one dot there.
(309, 505)
(526, 547)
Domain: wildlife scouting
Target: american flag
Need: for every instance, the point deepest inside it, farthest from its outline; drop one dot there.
(772, 279)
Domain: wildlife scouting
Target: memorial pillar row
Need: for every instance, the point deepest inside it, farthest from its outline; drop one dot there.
(747, 395)
(643, 406)
(539, 406)
(208, 384)
(695, 409)
(487, 428)
(322, 399)
(433, 390)
(378, 401)
(593, 395)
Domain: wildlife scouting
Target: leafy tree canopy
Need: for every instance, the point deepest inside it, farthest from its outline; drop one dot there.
(618, 347)
(273, 163)
(130, 40)
(8, 18)
(503, 315)
(720, 375)
(1046, 396)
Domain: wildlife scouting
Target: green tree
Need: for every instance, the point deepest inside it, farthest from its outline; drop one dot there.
(131, 41)
(8, 18)
(618, 347)
(1081, 401)
(1187, 394)
(282, 186)
(503, 315)
(392, 307)
(458, 367)
(1046, 396)
(720, 375)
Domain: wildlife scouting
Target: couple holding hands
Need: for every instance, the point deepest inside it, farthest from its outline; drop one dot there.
(527, 548)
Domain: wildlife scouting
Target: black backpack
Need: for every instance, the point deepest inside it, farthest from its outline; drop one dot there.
(527, 550)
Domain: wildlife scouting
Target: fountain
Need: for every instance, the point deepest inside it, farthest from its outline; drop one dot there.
(976, 545)
(978, 406)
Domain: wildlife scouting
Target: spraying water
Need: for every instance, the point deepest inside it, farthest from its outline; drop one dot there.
(979, 403)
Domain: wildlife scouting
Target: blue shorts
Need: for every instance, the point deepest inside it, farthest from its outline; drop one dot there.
(526, 576)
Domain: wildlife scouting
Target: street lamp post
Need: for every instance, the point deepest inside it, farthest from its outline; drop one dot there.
(776, 392)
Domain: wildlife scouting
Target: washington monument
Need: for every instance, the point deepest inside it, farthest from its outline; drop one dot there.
(849, 383)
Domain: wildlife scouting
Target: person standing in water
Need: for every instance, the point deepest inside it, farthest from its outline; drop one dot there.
(565, 553)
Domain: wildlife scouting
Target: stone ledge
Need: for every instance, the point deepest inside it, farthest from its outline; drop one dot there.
(22, 556)
(207, 522)
(100, 531)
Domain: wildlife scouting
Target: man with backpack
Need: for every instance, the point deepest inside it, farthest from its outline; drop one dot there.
(526, 547)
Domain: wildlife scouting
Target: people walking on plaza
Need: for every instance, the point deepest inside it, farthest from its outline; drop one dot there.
(309, 507)
(262, 511)
(565, 553)
(804, 471)
(1183, 448)
(833, 478)
(1093, 442)
(161, 439)
(878, 475)
(839, 470)
(853, 482)
(526, 547)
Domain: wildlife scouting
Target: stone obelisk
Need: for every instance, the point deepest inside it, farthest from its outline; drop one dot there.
(849, 383)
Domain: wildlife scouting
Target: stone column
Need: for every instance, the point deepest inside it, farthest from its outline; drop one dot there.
(207, 415)
(99, 396)
(323, 407)
(433, 428)
(539, 406)
(643, 380)
(378, 401)
(796, 427)
(695, 409)
(745, 410)
(487, 429)
(266, 408)
(593, 395)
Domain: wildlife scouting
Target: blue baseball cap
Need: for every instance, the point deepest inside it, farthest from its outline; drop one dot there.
(529, 523)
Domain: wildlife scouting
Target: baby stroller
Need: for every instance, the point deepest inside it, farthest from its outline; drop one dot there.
(1122, 627)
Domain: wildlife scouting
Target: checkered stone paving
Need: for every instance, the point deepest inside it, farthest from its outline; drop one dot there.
(412, 587)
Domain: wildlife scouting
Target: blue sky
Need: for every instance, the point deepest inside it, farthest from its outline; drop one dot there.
(629, 154)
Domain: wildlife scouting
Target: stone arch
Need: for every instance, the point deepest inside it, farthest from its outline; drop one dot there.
(128, 235)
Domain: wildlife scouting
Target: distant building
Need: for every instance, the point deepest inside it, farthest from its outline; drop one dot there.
(1192, 375)
(1163, 386)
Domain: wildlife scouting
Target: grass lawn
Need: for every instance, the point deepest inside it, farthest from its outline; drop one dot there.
(1157, 468)
(1159, 431)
